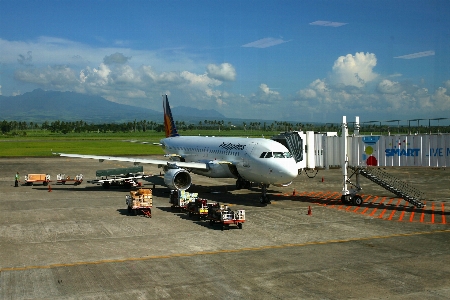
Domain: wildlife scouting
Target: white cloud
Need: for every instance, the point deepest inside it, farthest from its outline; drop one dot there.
(265, 95)
(417, 55)
(327, 23)
(389, 87)
(265, 43)
(58, 76)
(355, 70)
(223, 72)
(442, 100)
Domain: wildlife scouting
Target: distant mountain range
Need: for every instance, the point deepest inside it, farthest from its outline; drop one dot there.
(40, 105)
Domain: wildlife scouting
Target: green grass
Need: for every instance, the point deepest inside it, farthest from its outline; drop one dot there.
(43, 143)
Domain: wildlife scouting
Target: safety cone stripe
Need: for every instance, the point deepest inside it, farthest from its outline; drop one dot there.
(443, 214)
(385, 208)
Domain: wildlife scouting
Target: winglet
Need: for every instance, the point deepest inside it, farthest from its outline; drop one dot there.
(169, 124)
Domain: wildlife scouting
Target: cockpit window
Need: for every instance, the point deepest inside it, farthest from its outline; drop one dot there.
(276, 155)
(287, 154)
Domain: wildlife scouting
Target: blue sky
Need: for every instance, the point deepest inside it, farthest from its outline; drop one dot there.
(305, 61)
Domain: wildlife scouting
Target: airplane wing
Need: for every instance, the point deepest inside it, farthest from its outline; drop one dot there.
(188, 165)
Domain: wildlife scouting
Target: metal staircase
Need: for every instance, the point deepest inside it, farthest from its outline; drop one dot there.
(392, 184)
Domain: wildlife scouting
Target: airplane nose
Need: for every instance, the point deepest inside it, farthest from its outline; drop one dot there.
(292, 171)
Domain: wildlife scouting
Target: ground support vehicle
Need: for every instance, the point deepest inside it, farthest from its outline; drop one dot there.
(140, 200)
(180, 199)
(63, 179)
(31, 179)
(122, 177)
(224, 216)
(198, 208)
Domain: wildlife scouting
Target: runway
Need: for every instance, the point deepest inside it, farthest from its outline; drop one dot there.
(79, 241)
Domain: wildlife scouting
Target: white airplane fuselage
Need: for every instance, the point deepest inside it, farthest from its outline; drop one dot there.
(255, 159)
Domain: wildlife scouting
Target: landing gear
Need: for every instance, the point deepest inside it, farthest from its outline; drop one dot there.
(349, 199)
(346, 199)
(243, 184)
(357, 200)
(264, 199)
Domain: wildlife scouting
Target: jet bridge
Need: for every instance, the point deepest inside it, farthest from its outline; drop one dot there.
(364, 155)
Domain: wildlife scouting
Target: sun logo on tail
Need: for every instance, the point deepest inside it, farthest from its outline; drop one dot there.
(169, 124)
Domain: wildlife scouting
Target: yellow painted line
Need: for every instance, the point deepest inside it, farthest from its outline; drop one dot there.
(145, 258)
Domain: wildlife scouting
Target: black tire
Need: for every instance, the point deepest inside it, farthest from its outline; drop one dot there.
(357, 200)
(239, 225)
(346, 199)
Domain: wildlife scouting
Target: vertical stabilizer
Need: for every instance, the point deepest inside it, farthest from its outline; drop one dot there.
(169, 124)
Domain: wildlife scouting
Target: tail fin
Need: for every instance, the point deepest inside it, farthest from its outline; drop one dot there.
(169, 124)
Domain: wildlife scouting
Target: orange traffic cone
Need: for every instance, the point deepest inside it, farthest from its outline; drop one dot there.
(322, 178)
(49, 188)
(293, 193)
(309, 211)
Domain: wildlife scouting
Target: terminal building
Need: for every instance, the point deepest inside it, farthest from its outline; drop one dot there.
(365, 154)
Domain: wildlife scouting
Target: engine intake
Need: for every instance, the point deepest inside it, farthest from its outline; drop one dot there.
(177, 179)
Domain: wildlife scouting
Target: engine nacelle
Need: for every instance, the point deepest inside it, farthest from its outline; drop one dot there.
(177, 179)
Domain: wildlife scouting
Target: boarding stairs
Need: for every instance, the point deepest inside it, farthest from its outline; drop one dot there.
(392, 184)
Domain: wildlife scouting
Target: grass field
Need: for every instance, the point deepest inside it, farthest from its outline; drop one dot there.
(43, 143)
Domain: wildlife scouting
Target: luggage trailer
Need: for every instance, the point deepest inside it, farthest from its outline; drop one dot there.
(63, 179)
(223, 215)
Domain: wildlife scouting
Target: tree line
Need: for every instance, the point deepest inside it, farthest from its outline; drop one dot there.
(17, 127)
(144, 125)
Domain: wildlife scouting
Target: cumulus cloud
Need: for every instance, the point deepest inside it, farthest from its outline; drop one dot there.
(389, 87)
(58, 76)
(116, 58)
(265, 95)
(355, 70)
(223, 72)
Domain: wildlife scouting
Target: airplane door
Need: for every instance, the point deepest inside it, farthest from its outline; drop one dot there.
(246, 163)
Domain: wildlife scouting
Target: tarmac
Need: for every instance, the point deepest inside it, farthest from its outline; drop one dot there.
(79, 242)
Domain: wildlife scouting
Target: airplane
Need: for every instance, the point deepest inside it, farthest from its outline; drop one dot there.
(248, 160)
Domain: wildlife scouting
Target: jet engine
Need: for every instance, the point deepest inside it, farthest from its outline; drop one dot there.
(177, 179)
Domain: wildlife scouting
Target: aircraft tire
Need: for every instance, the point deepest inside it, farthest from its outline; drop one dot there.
(346, 199)
(357, 200)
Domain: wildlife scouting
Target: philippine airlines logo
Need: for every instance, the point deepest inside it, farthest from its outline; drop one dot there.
(231, 146)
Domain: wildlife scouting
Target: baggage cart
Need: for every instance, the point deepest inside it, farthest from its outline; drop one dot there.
(223, 215)
(140, 201)
(31, 179)
(180, 199)
(198, 208)
(63, 179)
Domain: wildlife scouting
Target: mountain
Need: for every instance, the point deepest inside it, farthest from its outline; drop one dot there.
(185, 112)
(40, 105)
